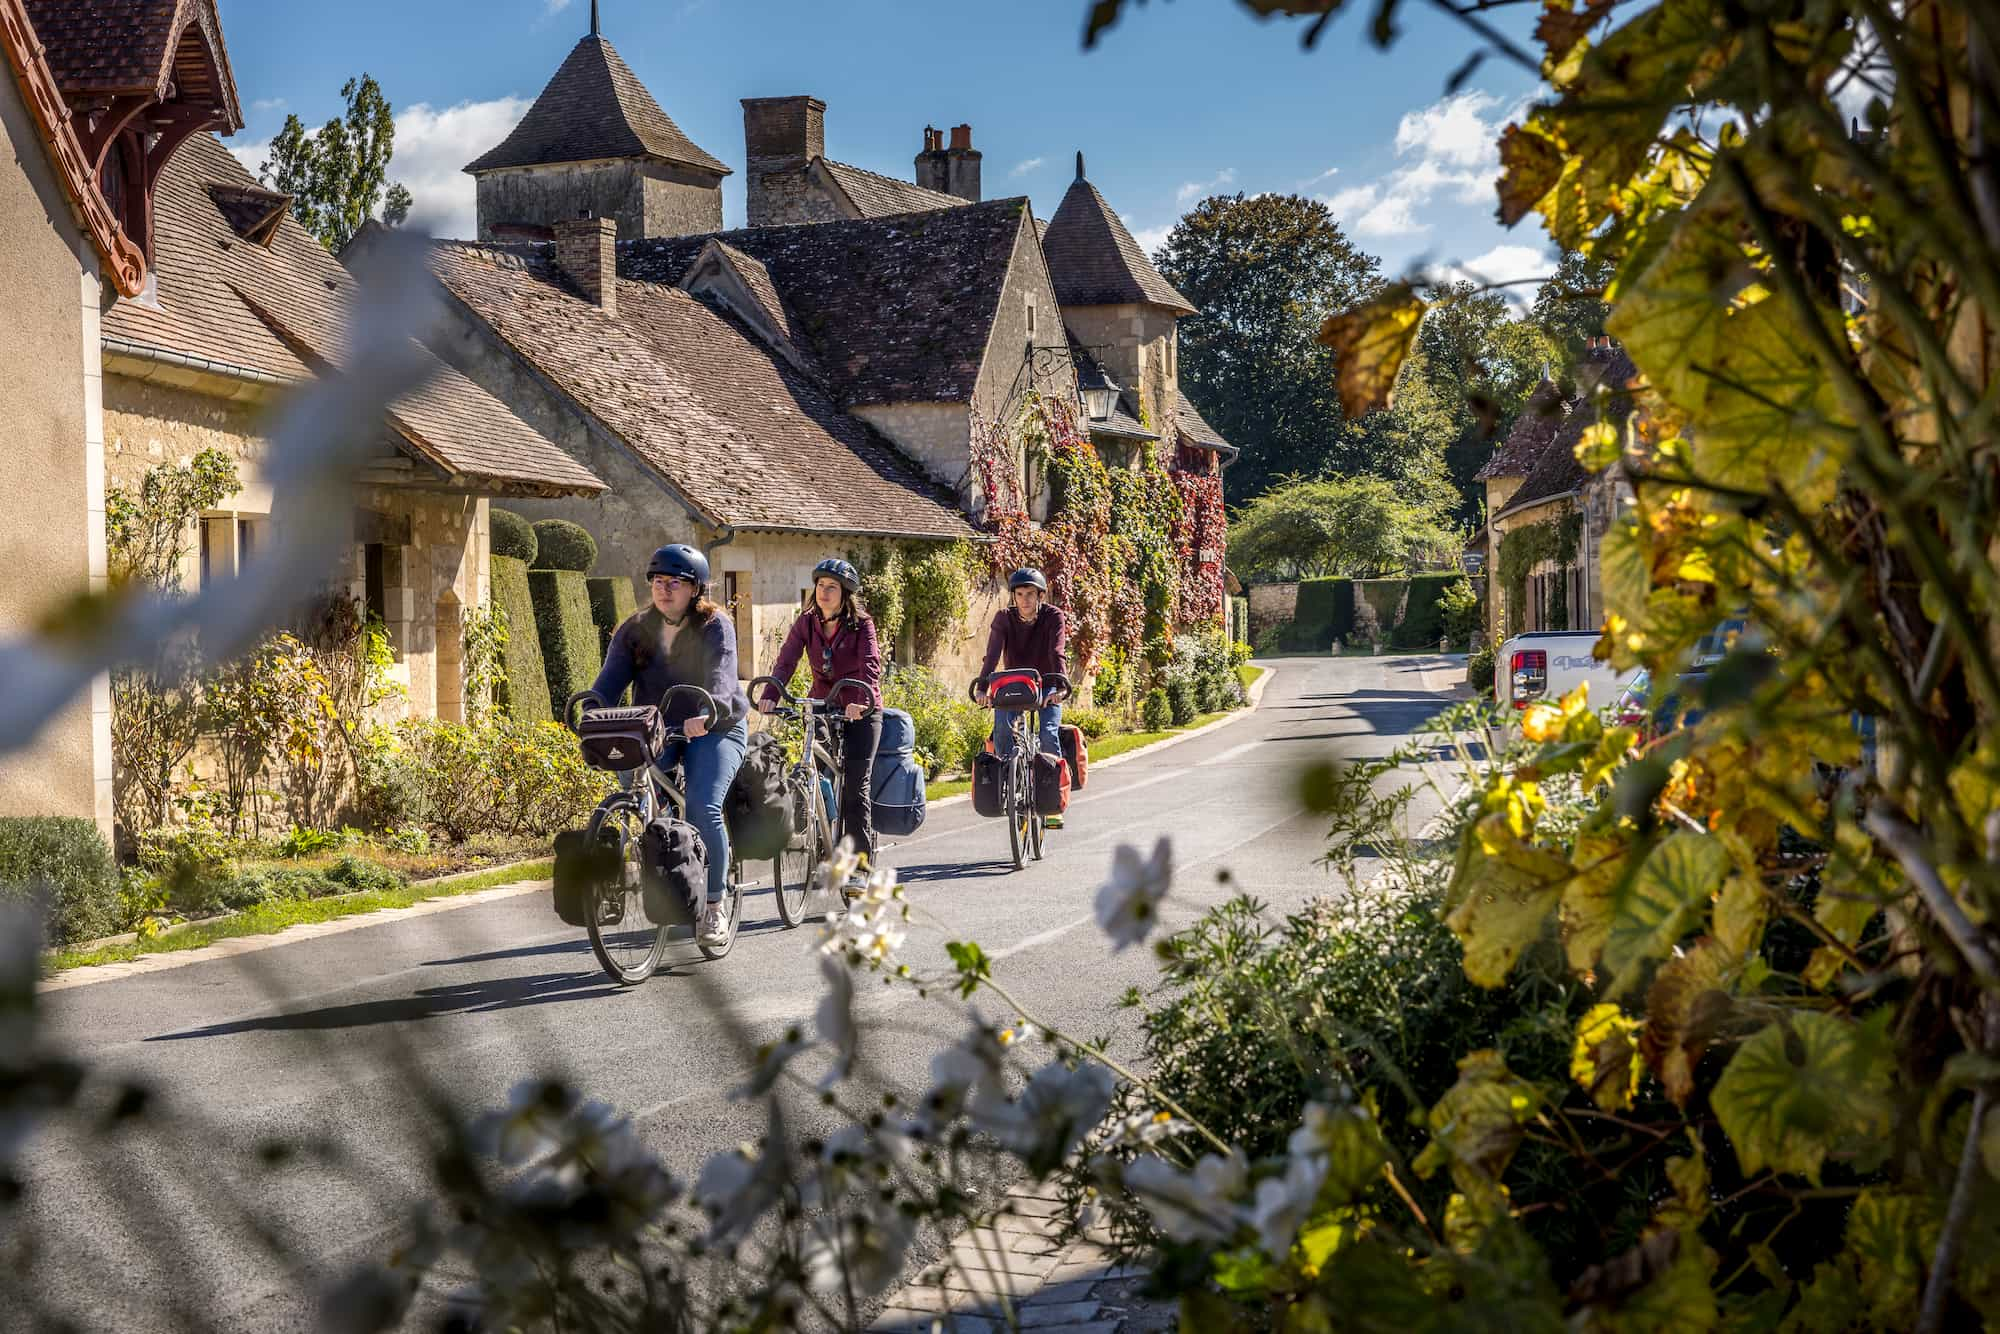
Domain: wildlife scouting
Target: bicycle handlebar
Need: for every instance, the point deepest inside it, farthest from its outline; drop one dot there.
(1054, 688)
(794, 702)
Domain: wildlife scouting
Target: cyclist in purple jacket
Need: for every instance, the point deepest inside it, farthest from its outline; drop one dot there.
(1030, 634)
(836, 636)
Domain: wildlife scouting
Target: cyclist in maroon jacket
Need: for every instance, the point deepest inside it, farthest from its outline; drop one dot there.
(836, 636)
(1030, 634)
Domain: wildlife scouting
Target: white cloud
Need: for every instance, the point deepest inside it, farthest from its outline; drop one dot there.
(1023, 168)
(268, 104)
(1326, 175)
(1193, 190)
(554, 6)
(432, 148)
(1150, 239)
(1449, 153)
(1504, 264)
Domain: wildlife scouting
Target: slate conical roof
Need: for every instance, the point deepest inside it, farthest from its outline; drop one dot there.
(1095, 261)
(595, 107)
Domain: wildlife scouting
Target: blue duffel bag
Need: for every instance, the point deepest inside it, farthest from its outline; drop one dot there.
(897, 782)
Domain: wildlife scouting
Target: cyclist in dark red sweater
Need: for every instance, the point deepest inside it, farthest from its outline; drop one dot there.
(1030, 634)
(836, 636)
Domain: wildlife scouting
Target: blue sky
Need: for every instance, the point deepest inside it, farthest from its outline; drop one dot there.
(1179, 100)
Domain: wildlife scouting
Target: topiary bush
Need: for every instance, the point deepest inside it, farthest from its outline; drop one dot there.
(569, 636)
(525, 692)
(511, 536)
(611, 601)
(1157, 715)
(562, 545)
(1424, 616)
(1324, 612)
(63, 864)
(1182, 703)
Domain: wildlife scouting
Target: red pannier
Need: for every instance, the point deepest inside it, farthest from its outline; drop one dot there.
(1051, 784)
(1077, 752)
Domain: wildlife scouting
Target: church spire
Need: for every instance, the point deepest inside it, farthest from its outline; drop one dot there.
(595, 31)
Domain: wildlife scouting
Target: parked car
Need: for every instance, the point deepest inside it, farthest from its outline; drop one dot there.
(1548, 664)
(1681, 707)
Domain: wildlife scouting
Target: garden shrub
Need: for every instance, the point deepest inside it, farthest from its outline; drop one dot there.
(1423, 617)
(499, 776)
(524, 690)
(1458, 612)
(568, 634)
(1479, 669)
(950, 728)
(63, 864)
(1093, 723)
(511, 536)
(611, 601)
(1157, 715)
(1324, 613)
(562, 545)
(1181, 700)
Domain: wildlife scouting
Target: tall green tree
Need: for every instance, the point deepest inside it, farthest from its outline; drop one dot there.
(1264, 273)
(337, 175)
(1570, 307)
(1358, 526)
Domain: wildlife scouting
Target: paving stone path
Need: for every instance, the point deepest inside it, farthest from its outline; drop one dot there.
(1016, 1272)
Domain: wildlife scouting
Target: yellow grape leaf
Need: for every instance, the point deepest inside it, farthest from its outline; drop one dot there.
(1599, 448)
(1531, 163)
(1369, 344)
(1613, 749)
(1803, 1087)
(1690, 1179)
(1476, 1126)
(1975, 782)
(1502, 912)
(1561, 27)
(1542, 722)
(1686, 1007)
(1605, 1060)
(1740, 913)
(1588, 899)
(1845, 918)
(1665, 899)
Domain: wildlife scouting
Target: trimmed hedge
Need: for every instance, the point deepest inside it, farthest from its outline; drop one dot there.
(562, 545)
(568, 634)
(1325, 612)
(511, 536)
(63, 864)
(611, 601)
(1384, 595)
(1423, 619)
(525, 695)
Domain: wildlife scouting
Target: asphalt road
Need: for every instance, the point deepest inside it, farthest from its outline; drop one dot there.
(296, 1041)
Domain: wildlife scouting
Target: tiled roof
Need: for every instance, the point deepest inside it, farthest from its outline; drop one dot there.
(879, 196)
(1123, 422)
(124, 264)
(757, 281)
(279, 310)
(894, 310)
(750, 440)
(1541, 417)
(1607, 398)
(135, 47)
(1095, 261)
(595, 107)
(1195, 430)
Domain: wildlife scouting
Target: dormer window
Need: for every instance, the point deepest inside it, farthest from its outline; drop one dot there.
(252, 212)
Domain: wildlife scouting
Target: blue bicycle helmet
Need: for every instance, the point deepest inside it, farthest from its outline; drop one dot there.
(679, 561)
(1027, 579)
(840, 572)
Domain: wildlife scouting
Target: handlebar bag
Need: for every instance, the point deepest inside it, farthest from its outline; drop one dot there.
(758, 810)
(1051, 784)
(987, 773)
(622, 739)
(583, 864)
(676, 876)
(1013, 691)
(1076, 751)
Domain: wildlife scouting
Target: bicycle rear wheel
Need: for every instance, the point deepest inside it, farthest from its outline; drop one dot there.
(627, 945)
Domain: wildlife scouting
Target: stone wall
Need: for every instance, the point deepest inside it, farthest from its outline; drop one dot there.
(53, 511)
(791, 195)
(1136, 345)
(1271, 604)
(646, 198)
(1009, 370)
(937, 436)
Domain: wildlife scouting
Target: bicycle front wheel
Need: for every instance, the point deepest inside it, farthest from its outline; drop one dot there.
(627, 945)
(1020, 811)
(792, 869)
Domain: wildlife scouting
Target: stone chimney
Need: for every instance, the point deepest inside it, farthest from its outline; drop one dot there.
(953, 170)
(780, 134)
(587, 253)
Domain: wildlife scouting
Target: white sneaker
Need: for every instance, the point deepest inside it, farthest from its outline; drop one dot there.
(714, 924)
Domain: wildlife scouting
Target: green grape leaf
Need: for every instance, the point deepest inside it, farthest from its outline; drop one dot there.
(1803, 1087)
(1664, 900)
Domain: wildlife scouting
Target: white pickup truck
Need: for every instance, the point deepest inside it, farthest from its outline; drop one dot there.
(1548, 664)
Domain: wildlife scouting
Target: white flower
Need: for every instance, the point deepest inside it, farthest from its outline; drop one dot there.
(870, 931)
(835, 1019)
(1283, 1204)
(864, 1249)
(1190, 1208)
(739, 1184)
(973, 1073)
(1143, 1130)
(1128, 904)
(1053, 1114)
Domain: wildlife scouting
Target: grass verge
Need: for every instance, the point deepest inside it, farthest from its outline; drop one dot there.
(946, 787)
(267, 918)
(1247, 675)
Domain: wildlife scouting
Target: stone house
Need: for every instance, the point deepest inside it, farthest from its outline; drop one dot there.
(812, 384)
(244, 303)
(1533, 477)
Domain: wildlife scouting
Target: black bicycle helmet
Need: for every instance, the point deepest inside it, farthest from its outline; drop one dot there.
(1027, 579)
(840, 572)
(679, 561)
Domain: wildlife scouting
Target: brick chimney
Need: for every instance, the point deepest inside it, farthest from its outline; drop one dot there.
(780, 134)
(587, 253)
(953, 170)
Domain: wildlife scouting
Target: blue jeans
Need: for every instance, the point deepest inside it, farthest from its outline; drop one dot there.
(1003, 730)
(709, 765)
